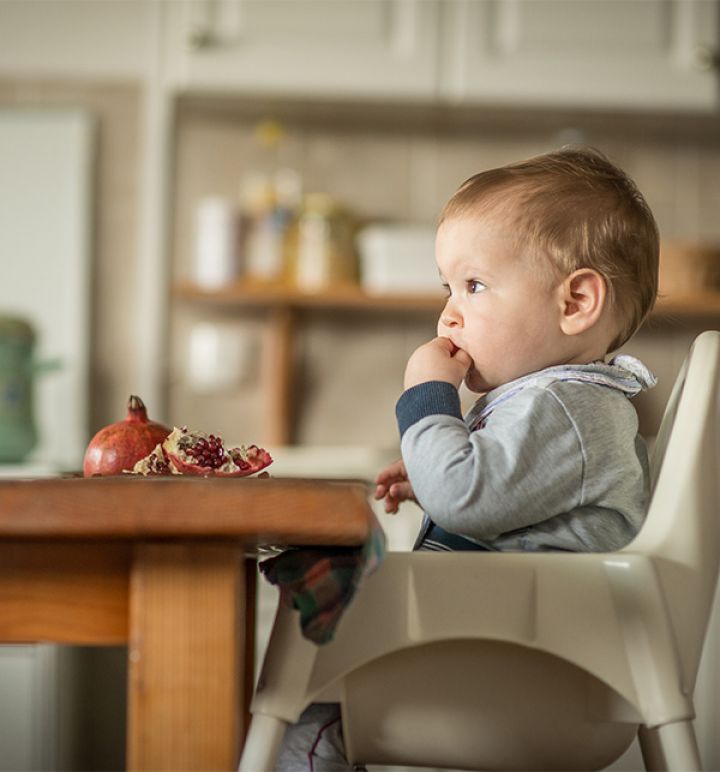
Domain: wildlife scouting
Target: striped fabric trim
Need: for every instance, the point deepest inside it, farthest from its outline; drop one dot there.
(428, 545)
(437, 539)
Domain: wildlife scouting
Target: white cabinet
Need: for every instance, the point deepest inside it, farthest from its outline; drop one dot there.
(642, 54)
(639, 54)
(307, 48)
(27, 708)
(76, 39)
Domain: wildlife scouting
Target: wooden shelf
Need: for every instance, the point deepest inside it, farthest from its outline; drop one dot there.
(693, 305)
(283, 304)
(353, 297)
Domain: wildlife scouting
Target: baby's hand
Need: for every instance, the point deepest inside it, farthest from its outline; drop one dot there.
(438, 360)
(393, 486)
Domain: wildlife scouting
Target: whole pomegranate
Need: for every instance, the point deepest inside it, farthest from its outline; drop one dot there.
(118, 446)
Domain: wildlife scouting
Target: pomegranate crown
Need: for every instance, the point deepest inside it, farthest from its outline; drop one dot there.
(136, 407)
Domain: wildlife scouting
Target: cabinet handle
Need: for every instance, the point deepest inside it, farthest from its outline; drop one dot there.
(706, 59)
(200, 39)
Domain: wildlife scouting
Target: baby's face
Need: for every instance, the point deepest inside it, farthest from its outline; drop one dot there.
(500, 309)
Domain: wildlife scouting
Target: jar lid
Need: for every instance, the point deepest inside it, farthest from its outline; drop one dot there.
(16, 328)
(322, 204)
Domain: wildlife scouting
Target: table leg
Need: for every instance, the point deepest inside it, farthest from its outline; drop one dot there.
(186, 684)
(277, 376)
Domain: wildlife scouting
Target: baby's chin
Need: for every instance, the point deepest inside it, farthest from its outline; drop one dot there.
(475, 383)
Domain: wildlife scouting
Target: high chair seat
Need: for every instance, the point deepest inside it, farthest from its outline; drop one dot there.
(526, 661)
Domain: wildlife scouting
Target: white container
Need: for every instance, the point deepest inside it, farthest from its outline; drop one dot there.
(215, 243)
(398, 258)
(220, 358)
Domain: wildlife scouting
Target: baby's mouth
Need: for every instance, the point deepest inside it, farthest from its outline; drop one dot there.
(455, 346)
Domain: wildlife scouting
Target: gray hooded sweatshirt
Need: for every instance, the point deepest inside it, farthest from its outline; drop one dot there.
(550, 461)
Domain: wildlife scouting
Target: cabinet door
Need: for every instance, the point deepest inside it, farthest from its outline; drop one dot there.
(367, 48)
(640, 54)
(27, 703)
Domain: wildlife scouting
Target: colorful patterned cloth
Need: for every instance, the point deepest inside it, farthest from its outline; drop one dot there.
(320, 582)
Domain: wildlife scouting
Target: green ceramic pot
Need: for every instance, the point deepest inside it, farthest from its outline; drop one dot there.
(18, 434)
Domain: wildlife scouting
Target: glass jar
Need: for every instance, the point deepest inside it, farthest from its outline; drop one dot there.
(321, 246)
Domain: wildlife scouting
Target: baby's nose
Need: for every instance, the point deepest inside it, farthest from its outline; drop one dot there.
(449, 317)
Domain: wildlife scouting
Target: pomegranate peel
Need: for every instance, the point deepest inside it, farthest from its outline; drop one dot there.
(155, 463)
(196, 453)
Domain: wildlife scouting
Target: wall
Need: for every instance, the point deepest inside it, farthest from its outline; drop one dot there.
(402, 164)
(115, 267)
(98, 56)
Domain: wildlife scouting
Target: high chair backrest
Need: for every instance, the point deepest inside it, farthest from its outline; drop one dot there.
(682, 530)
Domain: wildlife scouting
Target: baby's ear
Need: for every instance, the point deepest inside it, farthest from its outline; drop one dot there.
(583, 295)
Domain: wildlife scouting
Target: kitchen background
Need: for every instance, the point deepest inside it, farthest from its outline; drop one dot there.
(384, 106)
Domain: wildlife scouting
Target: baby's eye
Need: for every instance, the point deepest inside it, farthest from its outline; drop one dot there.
(446, 289)
(474, 286)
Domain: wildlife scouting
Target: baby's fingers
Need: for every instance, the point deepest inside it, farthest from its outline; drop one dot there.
(392, 472)
(397, 493)
(392, 504)
(380, 492)
(462, 358)
(401, 490)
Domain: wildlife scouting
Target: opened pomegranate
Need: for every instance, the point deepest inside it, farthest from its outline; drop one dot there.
(197, 453)
(118, 447)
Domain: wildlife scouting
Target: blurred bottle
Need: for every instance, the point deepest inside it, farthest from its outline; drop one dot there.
(215, 245)
(321, 251)
(270, 198)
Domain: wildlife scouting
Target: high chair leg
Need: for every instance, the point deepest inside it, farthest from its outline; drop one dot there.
(262, 744)
(670, 748)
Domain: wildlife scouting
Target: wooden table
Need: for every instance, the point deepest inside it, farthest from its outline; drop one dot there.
(161, 564)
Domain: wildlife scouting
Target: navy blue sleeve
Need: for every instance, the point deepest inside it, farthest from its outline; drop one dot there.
(430, 398)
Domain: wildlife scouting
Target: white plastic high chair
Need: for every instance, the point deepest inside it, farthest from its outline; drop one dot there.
(527, 661)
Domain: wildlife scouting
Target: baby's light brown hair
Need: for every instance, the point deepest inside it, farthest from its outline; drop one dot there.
(578, 210)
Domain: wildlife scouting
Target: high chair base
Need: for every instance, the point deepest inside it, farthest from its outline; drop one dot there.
(262, 744)
(670, 747)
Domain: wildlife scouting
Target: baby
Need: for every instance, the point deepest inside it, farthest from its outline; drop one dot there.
(549, 265)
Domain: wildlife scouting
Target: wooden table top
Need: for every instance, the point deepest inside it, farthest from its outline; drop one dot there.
(252, 510)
